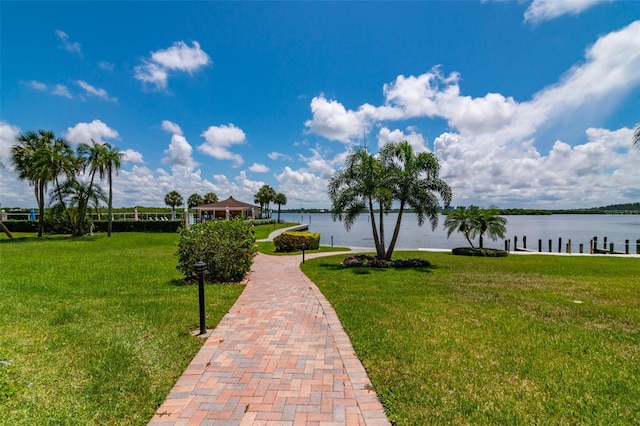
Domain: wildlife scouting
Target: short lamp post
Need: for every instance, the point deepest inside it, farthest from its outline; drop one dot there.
(303, 247)
(201, 269)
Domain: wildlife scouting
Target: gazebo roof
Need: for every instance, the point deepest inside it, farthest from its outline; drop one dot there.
(230, 203)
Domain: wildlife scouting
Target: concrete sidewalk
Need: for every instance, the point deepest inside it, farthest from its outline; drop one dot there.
(279, 357)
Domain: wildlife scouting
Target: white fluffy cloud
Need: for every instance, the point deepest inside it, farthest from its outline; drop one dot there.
(95, 91)
(218, 140)
(171, 127)
(333, 121)
(86, 132)
(259, 168)
(545, 10)
(8, 135)
(179, 57)
(415, 139)
(179, 152)
(131, 156)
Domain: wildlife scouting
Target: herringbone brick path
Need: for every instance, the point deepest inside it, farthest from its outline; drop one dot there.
(279, 357)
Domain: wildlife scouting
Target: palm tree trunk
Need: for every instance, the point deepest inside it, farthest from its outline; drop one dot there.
(396, 232)
(374, 228)
(469, 239)
(40, 195)
(62, 203)
(382, 246)
(110, 205)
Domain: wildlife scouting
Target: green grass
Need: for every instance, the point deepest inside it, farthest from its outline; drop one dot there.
(268, 247)
(97, 329)
(262, 231)
(517, 340)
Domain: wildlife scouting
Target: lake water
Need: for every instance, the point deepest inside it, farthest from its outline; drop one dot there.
(579, 228)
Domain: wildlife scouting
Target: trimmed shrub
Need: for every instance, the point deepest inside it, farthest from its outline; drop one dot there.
(368, 261)
(293, 240)
(226, 246)
(475, 251)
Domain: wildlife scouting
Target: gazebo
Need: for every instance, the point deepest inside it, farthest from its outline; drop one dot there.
(227, 209)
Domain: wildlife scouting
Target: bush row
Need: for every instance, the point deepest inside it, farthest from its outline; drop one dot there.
(293, 240)
(53, 227)
(475, 251)
(138, 225)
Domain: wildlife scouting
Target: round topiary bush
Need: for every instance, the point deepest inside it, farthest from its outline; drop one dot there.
(482, 252)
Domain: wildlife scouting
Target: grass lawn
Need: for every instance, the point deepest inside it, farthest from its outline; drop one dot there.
(268, 247)
(96, 329)
(516, 340)
(262, 231)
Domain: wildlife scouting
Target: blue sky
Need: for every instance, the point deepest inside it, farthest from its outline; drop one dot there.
(527, 104)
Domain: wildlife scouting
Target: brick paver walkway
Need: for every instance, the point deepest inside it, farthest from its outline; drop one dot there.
(279, 357)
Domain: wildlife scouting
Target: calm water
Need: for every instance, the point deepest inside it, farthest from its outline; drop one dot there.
(578, 228)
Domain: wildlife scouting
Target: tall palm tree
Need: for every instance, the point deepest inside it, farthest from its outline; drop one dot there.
(92, 157)
(63, 161)
(358, 187)
(487, 221)
(459, 220)
(111, 158)
(210, 198)
(194, 200)
(173, 199)
(414, 182)
(280, 199)
(31, 157)
(265, 196)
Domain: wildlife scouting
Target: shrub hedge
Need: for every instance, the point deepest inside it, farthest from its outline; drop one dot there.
(293, 240)
(138, 225)
(226, 246)
(22, 225)
(368, 261)
(475, 251)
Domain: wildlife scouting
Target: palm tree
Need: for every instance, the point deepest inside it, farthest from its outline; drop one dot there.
(265, 196)
(359, 187)
(210, 198)
(280, 199)
(32, 159)
(488, 221)
(414, 182)
(2, 225)
(95, 158)
(77, 195)
(173, 199)
(636, 137)
(195, 200)
(112, 160)
(459, 220)
(63, 161)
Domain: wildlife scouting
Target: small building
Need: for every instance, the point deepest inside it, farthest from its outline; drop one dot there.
(227, 209)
